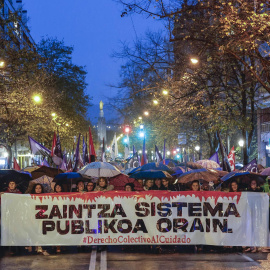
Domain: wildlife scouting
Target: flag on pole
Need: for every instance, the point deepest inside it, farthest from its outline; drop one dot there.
(251, 166)
(164, 151)
(114, 148)
(80, 163)
(57, 154)
(92, 153)
(158, 155)
(185, 160)
(225, 160)
(144, 159)
(215, 158)
(77, 155)
(45, 163)
(103, 157)
(126, 145)
(37, 148)
(16, 165)
(69, 166)
(231, 158)
(53, 144)
(85, 153)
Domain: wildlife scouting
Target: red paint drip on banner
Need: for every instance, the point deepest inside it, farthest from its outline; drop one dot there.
(161, 195)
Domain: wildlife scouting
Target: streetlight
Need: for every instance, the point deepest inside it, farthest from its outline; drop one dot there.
(146, 113)
(197, 148)
(36, 98)
(155, 102)
(168, 153)
(165, 92)
(2, 63)
(53, 114)
(141, 134)
(241, 143)
(194, 60)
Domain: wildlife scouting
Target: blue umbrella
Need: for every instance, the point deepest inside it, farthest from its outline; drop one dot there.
(243, 178)
(233, 174)
(153, 167)
(151, 174)
(68, 175)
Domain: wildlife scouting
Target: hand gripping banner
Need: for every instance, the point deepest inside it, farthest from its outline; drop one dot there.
(135, 218)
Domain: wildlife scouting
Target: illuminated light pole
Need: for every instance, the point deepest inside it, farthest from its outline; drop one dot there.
(2, 63)
(197, 149)
(194, 60)
(165, 92)
(146, 113)
(241, 144)
(37, 98)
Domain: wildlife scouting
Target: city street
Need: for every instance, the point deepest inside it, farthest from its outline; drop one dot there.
(114, 258)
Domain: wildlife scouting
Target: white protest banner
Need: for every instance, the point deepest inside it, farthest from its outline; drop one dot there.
(118, 217)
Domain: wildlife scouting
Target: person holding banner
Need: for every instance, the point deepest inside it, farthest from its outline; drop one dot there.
(253, 187)
(80, 186)
(167, 185)
(195, 185)
(12, 188)
(58, 188)
(38, 189)
(90, 186)
(103, 185)
(148, 184)
(234, 187)
(129, 187)
(157, 185)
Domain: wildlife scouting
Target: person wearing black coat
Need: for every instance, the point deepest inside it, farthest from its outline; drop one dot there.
(158, 185)
(167, 185)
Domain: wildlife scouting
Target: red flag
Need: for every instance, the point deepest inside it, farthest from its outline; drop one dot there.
(231, 158)
(16, 165)
(92, 153)
(53, 144)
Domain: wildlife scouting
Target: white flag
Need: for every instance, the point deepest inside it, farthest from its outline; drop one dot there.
(127, 147)
(114, 148)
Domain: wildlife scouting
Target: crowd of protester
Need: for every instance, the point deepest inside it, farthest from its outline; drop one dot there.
(103, 184)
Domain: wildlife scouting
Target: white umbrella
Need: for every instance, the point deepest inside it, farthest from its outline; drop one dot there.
(99, 169)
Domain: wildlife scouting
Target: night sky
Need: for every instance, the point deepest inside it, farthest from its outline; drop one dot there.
(95, 29)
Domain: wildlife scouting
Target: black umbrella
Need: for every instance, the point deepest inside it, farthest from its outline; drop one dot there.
(21, 179)
(44, 170)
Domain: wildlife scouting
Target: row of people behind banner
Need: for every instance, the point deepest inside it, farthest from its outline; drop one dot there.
(102, 184)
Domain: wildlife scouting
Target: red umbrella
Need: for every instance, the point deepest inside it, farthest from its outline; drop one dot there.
(120, 180)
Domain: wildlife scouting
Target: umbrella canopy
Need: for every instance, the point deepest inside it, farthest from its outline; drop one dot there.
(266, 172)
(153, 167)
(99, 169)
(208, 164)
(199, 174)
(67, 178)
(179, 170)
(151, 174)
(45, 181)
(30, 168)
(121, 180)
(243, 178)
(21, 179)
(44, 170)
(194, 165)
(170, 162)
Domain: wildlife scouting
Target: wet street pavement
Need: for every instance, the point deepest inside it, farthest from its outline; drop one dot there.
(115, 258)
